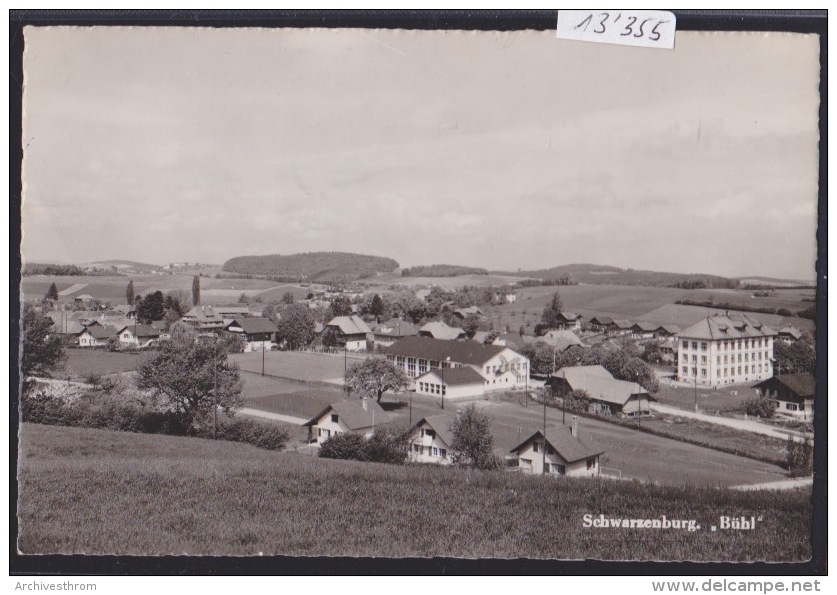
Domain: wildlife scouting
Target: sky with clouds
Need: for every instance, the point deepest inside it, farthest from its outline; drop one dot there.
(502, 150)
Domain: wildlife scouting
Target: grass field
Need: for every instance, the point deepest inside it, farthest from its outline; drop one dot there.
(98, 492)
(297, 365)
(84, 362)
(444, 282)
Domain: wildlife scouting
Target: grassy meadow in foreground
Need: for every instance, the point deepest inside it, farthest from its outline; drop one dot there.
(99, 492)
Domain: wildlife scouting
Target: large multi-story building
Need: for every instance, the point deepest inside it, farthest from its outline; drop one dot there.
(724, 349)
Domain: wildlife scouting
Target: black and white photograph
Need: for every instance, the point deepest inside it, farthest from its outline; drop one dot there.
(416, 294)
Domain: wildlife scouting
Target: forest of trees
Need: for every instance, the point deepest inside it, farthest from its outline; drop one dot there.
(442, 270)
(65, 270)
(320, 267)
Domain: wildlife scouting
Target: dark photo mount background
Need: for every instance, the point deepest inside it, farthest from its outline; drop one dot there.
(800, 21)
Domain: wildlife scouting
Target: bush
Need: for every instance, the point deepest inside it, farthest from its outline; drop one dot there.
(800, 458)
(759, 407)
(250, 431)
(344, 446)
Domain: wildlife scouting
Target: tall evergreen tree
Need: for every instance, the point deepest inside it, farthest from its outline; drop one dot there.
(52, 293)
(196, 291)
(129, 293)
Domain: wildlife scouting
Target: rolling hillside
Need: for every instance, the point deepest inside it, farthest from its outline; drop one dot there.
(322, 267)
(608, 275)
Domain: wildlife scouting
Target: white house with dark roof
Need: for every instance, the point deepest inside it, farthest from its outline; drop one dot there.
(430, 440)
(356, 416)
(463, 313)
(563, 451)
(204, 318)
(607, 394)
(440, 330)
(501, 367)
(138, 336)
(257, 334)
(351, 332)
(568, 321)
(793, 394)
(96, 335)
(600, 323)
(789, 334)
(643, 330)
(455, 384)
(724, 349)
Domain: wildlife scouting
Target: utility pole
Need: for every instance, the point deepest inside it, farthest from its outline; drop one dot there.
(564, 399)
(215, 391)
(262, 356)
(696, 409)
(544, 434)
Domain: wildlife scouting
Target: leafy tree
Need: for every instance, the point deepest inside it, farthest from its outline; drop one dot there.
(183, 374)
(296, 326)
(795, 358)
(196, 291)
(340, 306)
(376, 308)
(652, 353)
(387, 445)
(329, 337)
(243, 299)
(577, 400)
(473, 443)
(43, 352)
(800, 457)
(552, 312)
(288, 298)
(347, 447)
(471, 325)
(373, 377)
(52, 293)
(129, 293)
(151, 307)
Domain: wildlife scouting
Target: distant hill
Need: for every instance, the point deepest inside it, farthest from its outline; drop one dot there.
(124, 264)
(442, 270)
(756, 281)
(609, 275)
(320, 267)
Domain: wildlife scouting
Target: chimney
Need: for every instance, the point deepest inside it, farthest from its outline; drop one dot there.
(574, 427)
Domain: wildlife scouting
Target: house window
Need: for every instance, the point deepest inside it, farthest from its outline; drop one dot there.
(703, 346)
(430, 432)
(694, 359)
(791, 406)
(525, 463)
(334, 417)
(694, 345)
(591, 463)
(703, 359)
(556, 469)
(435, 452)
(417, 448)
(536, 446)
(685, 370)
(443, 452)
(703, 372)
(685, 344)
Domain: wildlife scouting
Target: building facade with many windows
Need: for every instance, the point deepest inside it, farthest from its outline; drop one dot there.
(723, 349)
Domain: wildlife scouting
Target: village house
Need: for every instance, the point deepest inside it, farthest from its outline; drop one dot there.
(567, 321)
(789, 334)
(619, 327)
(600, 324)
(350, 332)
(502, 368)
(453, 384)
(430, 440)
(204, 319)
(561, 340)
(257, 334)
(356, 416)
(793, 394)
(608, 395)
(666, 331)
(440, 330)
(723, 349)
(463, 313)
(387, 333)
(563, 451)
(138, 336)
(96, 335)
(230, 313)
(643, 330)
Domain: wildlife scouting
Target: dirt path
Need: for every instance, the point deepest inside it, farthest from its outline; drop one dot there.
(737, 424)
(787, 484)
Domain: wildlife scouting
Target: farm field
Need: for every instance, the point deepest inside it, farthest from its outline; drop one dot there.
(99, 492)
(84, 362)
(638, 455)
(297, 365)
(445, 282)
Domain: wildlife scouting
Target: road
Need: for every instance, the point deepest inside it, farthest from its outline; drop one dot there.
(737, 424)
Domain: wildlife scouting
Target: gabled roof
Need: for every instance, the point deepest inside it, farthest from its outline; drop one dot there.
(644, 327)
(97, 331)
(441, 423)
(791, 331)
(356, 414)
(251, 326)
(720, 327)
(671, 329)
(350, 325)
(601, 320)
(571, 448)
(568, 316)
(455, 376)
(124, 308)
(439, 330)
(802, 384)
(141, 330)
(395, 327)
(561, 340)
(600, 384)
(204, 314)
(461, 352)
(465, 312)
(232, 310)
(622, 324)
